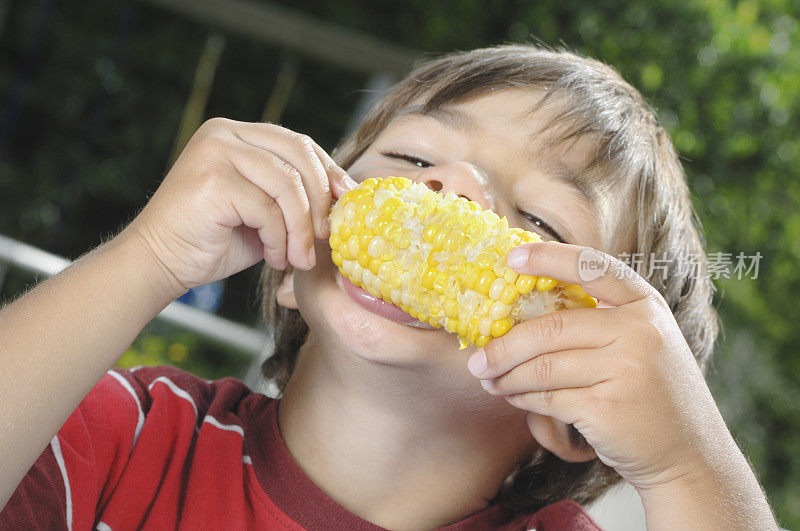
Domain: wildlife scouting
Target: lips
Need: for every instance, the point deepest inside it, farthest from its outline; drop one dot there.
(378, 306)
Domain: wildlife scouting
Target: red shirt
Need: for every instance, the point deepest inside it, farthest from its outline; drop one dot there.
(159, 448)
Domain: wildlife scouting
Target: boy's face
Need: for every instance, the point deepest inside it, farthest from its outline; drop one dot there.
(493, 150)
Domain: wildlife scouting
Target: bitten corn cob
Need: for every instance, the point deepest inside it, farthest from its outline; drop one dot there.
(441, 259)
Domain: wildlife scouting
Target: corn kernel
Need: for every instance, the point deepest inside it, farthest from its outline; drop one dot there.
(499, 310)
(525, 284)
(545, 284)
(374, 266)
(497, 288)
(485, 326)
(502, 326)
(363, 259)
(428, 278)
(376, 246)
(481, 341)
(484, 281)
(510, 294)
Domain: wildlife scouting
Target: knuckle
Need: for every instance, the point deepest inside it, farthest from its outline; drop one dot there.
(305, 141)
(214, 144)
(551, 326)
(291, 176)
(545, 398)
(540, 369)
(215, 124)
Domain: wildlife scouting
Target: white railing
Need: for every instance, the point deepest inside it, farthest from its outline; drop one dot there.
(24, 256)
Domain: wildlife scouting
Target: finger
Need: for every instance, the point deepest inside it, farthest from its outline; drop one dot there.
(284, 184)
(340, 180)
(601, 275)
(259, 211)
(552, 370)
(552, 332)
(320, 173)
(560, 404)
(297, 151)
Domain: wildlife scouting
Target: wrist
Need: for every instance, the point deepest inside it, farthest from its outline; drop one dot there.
(722, 493)
(161, 284)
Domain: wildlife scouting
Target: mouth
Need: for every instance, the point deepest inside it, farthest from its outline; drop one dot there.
(378, 306)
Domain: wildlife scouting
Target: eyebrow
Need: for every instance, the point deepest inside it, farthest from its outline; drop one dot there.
(460, 121)
(566, 175)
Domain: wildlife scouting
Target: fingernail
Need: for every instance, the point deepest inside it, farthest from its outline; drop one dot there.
(517, 257)
(351, 184)
(312, 256)
(477, 362)
(486, 384)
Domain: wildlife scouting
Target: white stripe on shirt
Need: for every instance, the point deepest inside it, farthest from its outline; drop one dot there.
(61, 465)
(229, 427)
(140, 422)
(175, 389)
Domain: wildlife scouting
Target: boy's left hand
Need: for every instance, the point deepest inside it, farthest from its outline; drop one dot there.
(623, 375)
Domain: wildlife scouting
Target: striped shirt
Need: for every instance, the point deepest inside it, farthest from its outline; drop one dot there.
(159, 448)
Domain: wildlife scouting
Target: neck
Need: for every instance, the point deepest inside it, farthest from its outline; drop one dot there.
(387, 441)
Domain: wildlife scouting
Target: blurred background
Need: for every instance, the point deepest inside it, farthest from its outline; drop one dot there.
(98, 97)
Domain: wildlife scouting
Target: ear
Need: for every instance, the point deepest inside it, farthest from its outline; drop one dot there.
(555, 436)
(285, 293)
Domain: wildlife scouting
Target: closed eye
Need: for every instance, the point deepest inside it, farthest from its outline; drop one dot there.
(416, 161)
(538, 222)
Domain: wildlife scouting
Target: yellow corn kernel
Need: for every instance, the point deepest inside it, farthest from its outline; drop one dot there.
(525, 284)
(428, 278)
(374, 266)
(574, 291)
(363, 259)
(497, 288)
(510, 276)
(510, 294)
(481, 341)
(500, 327)
(499, 310)
(484, 282)
(545, 284)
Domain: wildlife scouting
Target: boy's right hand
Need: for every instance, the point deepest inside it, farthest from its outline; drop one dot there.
(239, 192)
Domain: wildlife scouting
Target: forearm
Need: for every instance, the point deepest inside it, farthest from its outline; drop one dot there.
(725, 495)
(59, 339)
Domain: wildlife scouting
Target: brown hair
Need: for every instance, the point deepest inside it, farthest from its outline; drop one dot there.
(631, 147)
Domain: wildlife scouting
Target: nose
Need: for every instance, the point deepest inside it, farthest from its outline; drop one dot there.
(461, 178)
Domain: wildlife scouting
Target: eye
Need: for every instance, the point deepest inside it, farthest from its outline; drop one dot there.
(538, 222)
(416, 161)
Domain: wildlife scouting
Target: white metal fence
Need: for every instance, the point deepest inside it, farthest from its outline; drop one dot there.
(14, 253)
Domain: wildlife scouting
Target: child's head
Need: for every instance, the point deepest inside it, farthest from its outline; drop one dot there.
(559, 144)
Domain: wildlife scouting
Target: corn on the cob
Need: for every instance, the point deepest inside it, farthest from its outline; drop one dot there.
(441, 259)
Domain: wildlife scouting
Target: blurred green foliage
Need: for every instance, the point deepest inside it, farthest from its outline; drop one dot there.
(108, 86)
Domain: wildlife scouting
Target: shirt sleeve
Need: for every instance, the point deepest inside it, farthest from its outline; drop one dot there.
(77, 472)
